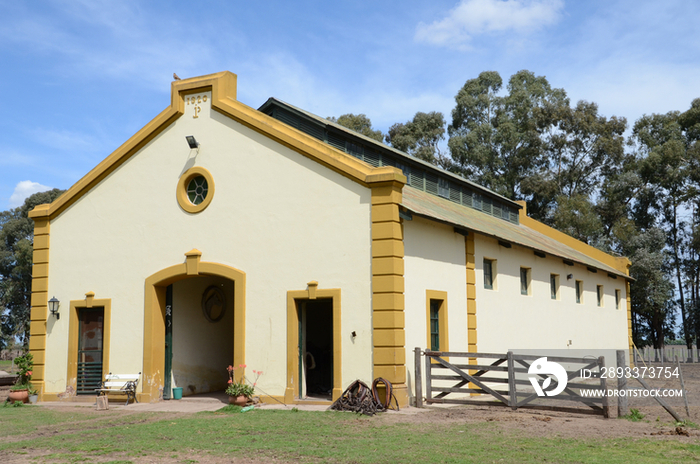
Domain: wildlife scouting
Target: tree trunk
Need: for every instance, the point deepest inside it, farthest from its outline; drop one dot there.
(677, 263)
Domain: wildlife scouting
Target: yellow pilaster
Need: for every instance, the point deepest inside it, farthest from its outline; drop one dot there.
(388, 287)
(39, 298)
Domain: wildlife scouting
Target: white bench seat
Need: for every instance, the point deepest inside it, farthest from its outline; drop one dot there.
(120, 383)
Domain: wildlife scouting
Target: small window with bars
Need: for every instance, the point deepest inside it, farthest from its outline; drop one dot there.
(489, 273)
(618, 298)
(579, 292)
(435, 325)
(525, 281)
(600, 293)
(554, 286)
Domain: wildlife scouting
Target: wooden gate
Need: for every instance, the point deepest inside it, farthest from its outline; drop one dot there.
(506, 378)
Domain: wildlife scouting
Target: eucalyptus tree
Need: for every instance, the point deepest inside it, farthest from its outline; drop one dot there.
(16, 249)
(585, 152)
(666, 169)
(651, 292)
(420, 137)
(498, 141)
(359, 123)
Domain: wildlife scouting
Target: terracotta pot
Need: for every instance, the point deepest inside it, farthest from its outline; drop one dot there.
(241, 400)
(19, 395)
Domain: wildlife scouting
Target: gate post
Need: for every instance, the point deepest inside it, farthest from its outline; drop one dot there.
(622, 404)
(604, 386)
(428, 383)
(511, 382)
(418, 379)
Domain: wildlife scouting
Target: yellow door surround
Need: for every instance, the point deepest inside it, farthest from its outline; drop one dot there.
(292, 394)
(154, 317)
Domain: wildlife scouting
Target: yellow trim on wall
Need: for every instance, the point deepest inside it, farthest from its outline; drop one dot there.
(388, 320)
(620, 263)
(471, 295)
(443, 326)
(39, 301)
(154, 319)
(223, 87)
(181, 192)
(73, 327)
(292, 394)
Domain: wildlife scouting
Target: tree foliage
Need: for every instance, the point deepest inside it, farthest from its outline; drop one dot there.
(638, 197)
(360, 123)
(420, 137)
(498, 141)
(16, 249)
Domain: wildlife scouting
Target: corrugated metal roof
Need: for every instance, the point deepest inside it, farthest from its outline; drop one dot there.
(425, 204)
(379, 145)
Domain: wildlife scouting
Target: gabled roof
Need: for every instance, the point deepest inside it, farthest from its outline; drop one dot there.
(223, 88)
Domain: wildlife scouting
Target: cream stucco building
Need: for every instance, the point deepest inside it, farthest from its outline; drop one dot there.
(276, 239)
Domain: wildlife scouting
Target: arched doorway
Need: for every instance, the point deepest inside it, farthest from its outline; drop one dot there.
(153, 376)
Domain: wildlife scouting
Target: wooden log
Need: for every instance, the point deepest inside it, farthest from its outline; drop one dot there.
(685, 397)
(622, 403)
(418, 378)
(666, 406)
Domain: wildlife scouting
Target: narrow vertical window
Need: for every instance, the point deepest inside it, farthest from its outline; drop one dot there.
(599, 291)
(436, 318)
(554, 286)
(618, 297)
(579, 291)
(524, 281)
(488, 274)
(435, 325)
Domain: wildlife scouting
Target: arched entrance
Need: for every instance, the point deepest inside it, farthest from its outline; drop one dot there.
(153, 376)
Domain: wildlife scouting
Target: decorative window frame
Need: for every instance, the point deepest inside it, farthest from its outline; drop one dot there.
(184, 181)
(443, 325)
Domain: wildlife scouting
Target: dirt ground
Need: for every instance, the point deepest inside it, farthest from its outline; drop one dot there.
(656, 425)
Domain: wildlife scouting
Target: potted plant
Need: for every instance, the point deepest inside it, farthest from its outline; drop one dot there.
(20, 390)
(239, 390)
(33, 395)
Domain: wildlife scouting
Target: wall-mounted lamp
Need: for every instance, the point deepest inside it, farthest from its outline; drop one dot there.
(569, 277)
(192, 142)
(354, 334)
(53, 307)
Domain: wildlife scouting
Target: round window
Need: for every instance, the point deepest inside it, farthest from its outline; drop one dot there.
(197, 190)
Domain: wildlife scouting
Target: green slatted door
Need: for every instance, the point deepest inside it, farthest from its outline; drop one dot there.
(91, 327)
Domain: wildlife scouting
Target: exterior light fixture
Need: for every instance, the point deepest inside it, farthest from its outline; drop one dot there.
(569, 277)
(53, 307)
(192, 142)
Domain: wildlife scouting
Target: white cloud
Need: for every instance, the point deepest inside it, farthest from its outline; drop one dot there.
(474, 17)
(23, 190)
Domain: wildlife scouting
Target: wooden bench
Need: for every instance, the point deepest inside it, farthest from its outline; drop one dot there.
(124, 384)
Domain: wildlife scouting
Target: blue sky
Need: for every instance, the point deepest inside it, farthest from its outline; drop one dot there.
(80, 77)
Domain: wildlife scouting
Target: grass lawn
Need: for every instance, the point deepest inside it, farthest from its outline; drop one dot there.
(81, 434)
